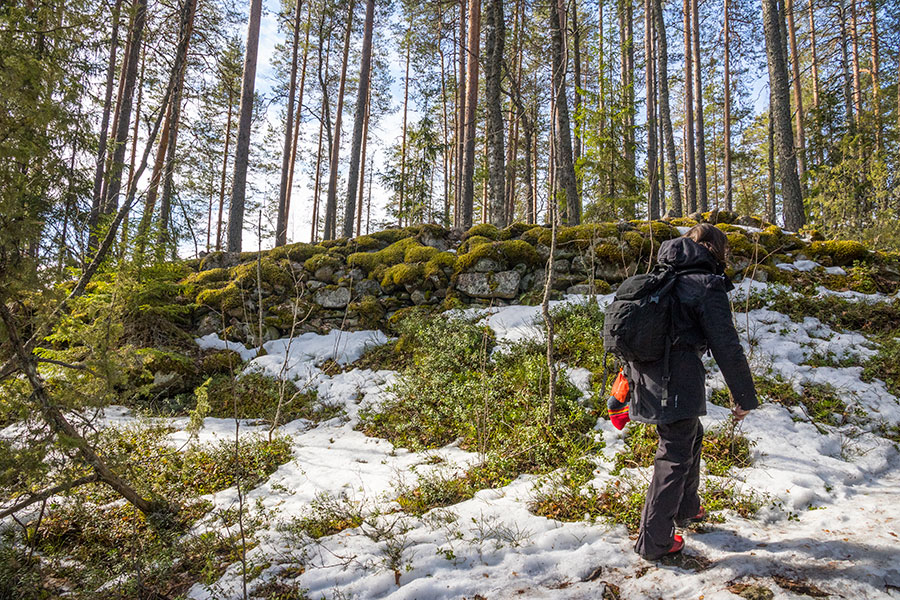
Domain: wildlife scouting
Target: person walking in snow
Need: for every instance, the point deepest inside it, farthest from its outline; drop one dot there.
(702, 320)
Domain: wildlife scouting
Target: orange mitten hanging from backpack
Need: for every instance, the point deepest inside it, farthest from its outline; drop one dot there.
(617, 405)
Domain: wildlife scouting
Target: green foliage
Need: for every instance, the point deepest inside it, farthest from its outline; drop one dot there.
(326, 515)
(724, 448)
(885, 365)
(837, 313)
(494, 404)
(822, 402)
(568, 498)
(641, 441)
(254, 395)
(578, 334)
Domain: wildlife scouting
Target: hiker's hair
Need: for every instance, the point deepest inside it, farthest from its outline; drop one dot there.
(710, 237)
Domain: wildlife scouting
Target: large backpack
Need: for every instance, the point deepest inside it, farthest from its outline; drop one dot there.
(637, 325)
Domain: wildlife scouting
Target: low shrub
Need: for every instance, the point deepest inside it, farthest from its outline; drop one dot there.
(327, 515)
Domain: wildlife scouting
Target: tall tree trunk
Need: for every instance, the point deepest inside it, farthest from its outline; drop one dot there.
(650, 71)
(665, 112)
(781, 108)
(134, 136)
(281, 223)
(242, 146)
(817, 136)
(362, 162)
(331, 202)
(404, 129)
(627, 21)
(299, 118)
(727, 108)
(224, 172)
(876, 92)
(445, 126)
(854, 40)
(185, 31)
(467, 198)
(117, 165)
(494, 38)
(576, 51)
(845, 64)
(104, 122)
(770, 163)
(565, 168)
(362, 95)
(460, 145)
(690, 176)
(702, 195)
(324, 118)
(798, 92)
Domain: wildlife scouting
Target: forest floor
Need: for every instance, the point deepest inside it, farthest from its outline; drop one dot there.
(824, 485)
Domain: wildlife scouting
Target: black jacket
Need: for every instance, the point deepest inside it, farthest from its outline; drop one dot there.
(702, 320)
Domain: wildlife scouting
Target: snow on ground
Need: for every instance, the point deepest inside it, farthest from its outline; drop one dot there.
(830, 518)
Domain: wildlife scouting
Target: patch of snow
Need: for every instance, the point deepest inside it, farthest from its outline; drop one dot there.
(213, 342)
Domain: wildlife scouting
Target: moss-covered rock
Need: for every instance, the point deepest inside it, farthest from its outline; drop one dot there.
(402, 274)
(660, 230)
(368, 310)
(475, 240)
(728, 228)
(439, 263)
(682, 222)
(271, 273)
(220, 362)
(322, 260)
(484, 230)
(210, 276)
(224, 299)
(391, 236)
(719, 216)
(392, 255)
(298, 252)
(508, 253)
(515, 230)
(842, 252)
(416, 254)
(741, 245)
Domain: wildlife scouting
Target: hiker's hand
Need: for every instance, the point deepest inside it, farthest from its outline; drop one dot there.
(739, 413)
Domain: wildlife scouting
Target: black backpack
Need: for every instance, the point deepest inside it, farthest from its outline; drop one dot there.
(637, 325)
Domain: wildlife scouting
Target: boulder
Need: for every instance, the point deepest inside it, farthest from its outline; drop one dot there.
(486, 265)
(332, 297)
(503, 284)
(368, 287)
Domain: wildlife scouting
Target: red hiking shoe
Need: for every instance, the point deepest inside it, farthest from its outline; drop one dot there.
(700, 516)
(677, 545)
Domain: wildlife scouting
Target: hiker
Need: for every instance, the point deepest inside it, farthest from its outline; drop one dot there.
(701, 321)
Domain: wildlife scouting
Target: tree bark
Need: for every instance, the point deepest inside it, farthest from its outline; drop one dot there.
(362, 96)
(770, 165)
(576, 51)
(665, 112)
(104, 122)
(781, 109)
(362, 162)
(224, 172)
(817, 136)
(281, 223)
(117, 165)
(185, 31)
(627, 8)
(854, 40)
(245, 121)
(299, 116)
(727, 108)
(702, 194)
(460, 141)
(494, 39)
(690, 174)
(324, 117)
(467, 197)
(405, 128)
(650, 73)
(876, 91)
(798, 93)
(845, 64)
(565, 168)
(331, 202)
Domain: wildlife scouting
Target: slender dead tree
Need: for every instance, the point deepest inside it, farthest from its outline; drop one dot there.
(690, 175)
(702, 194)
(798, 92)
(727, 107)
(242, 147)
(467, 198)
(665, 112)
(362, 95)
(650, 71)
(565, 167)
(494, 34)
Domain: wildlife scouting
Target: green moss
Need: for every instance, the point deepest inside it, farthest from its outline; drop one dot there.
(773, 274)
(369, 310)
(391, 236)
(209, 259)
(321, 260)
(415, 254)
(220, 362)
(682, 222)
(813, 234)
(484, 230)
(515, 230)
(742, 245)
(402, 274)
(636, 243)
(161, 361)
(722, 216)
(473, 241)
(392, 255)
(339, 242)
(439, 262)
(842, 252)
(271, 273)
(204, 278)
(298, 252)
(367, 243)
(612, 252)
(508, 253)
(728, 228)
(224, 299)
(661, 230)
(534, 234)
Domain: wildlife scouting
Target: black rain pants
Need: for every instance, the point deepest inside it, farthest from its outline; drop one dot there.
(672, 495)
